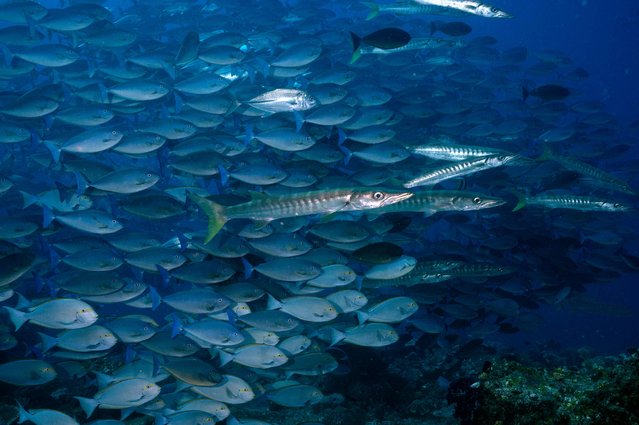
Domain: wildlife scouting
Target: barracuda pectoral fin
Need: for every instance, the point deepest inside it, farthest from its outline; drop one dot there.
(260, 224)
(328, 217)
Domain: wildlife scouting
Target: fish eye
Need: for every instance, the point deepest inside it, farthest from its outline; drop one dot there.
(476, 200)
(378, 195)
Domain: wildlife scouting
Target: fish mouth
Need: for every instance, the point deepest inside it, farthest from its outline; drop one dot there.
(491, 203)
(396, 197)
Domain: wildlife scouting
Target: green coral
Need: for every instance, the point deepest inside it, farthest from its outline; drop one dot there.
(603, 391)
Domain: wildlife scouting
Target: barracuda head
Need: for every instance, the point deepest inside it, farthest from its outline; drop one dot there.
(490, 11)
(476, 202)
(364, 199)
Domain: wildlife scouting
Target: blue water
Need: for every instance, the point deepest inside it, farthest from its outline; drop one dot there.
(598, 315)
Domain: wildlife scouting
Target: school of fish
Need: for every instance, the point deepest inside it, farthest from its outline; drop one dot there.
(215, 196)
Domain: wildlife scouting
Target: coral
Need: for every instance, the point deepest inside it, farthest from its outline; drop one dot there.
(603, 391)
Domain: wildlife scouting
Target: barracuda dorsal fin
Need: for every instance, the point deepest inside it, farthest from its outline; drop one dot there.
(257, 196)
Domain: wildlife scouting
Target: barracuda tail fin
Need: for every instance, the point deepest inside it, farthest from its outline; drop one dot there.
(374, 10)
(215, 213)
(521, 202)
(356, 40)
(546, 154)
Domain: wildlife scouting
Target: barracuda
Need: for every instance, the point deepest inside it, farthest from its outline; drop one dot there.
(263, 208)
(432, 201)
(594, 175)
(455, 152)
(414, 44)
(459, 169)
(572, 202)
(470, 7)
(407, 8)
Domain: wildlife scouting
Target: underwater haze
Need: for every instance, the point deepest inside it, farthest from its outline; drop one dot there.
(301, 212)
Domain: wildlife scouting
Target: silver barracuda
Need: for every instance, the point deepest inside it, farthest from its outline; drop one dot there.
(470, 7)
(459, 169)
(267, 208)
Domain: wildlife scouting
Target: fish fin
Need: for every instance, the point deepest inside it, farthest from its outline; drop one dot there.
(356, 41)
(179, 103)
(521, 202)
(524, 93)
(125, 413)
(81, 182)
(272, 303)
(362, 317)
(336, 336)
(87, 404)
(155, 298)
(374, 10)
(299, 120)
(348, 154)
(47, 216)
(224, 357)
(102, 379)
(355, 56)
(28, 199)
(248, 268)
(164, 275)
(17, 317)
(24, 415)
(260, 224)
(48, 342)
(257, 196)
(546, 153)
(23, 302)
(214, 212)
(328, 217)
(54, 149)
(181, 386)
(177, 327)
(224, 175)
(341, 137)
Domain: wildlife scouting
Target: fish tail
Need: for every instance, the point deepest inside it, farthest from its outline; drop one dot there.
(214, 212)
(521, 203)
(81, 183)
(17, 317)
(55, 151)
(177, 327)
(524, 93)
(224, 357)
(356, 41)
(546, 153)
(24, 415)
(28, 199)
(87, 404)
(336, 336)
(374, 9)
(48, 342)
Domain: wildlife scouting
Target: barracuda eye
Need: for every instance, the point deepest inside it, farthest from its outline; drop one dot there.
(476, 200)
(378, 196)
